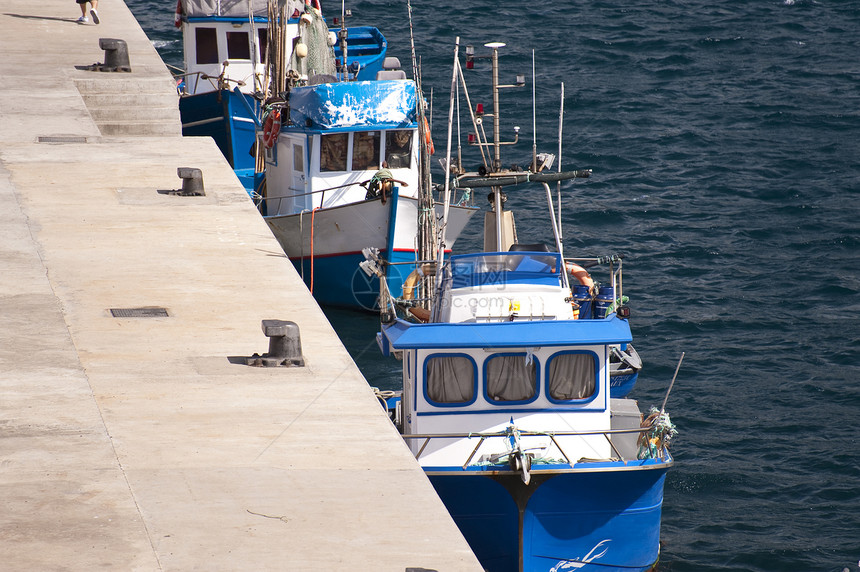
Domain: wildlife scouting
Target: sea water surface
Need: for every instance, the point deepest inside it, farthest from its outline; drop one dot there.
(725, 143)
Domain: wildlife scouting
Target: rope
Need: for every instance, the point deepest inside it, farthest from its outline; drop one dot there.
(383, 396)
(466, 198)
(313, 212)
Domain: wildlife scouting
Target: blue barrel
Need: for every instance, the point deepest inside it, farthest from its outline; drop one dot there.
(582, 296)
(605, 298)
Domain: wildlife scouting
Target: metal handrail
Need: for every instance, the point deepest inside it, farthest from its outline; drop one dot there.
(525, 433)
(551, 434)
(356, 184)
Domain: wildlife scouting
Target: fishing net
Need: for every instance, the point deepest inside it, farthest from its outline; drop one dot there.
(319, 57)
(660, 433)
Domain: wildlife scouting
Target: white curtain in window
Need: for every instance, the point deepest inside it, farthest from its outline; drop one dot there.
(510, 378)
(450, 379)
(571, 376)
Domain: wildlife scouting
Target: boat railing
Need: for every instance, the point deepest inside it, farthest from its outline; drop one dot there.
(615, 262)
(642, 433)
(216, 82)
(266, 200)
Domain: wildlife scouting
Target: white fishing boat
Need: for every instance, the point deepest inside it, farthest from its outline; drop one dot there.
(344, 159)
(507, 400)
(224, 81)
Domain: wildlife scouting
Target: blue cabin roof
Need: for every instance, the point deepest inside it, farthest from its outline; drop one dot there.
(401, 334)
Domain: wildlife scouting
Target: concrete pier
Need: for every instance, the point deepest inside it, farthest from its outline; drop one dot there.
(131, 436)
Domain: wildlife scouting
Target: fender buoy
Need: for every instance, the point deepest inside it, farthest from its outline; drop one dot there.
(272, 128)
(313, 4)
(581, 274)
(411, 282)
(428, 139)
(177, 18)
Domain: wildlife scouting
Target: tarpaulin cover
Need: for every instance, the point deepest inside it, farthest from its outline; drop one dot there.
(353, 104)
(234, 8)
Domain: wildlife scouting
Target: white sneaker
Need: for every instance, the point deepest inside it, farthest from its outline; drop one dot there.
(95, 16)
(83, 20)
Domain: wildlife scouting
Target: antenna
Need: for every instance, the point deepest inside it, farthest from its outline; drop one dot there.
(534, 118)
(252, 47)
(558, 186)
(447, 193)
(665, 399)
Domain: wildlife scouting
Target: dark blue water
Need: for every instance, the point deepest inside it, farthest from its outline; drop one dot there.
(725, 144)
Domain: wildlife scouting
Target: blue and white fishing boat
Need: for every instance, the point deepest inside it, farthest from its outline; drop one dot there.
(507, 401)
(345, 164)
(222, 86)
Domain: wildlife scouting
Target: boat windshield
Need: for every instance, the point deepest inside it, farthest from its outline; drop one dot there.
(498, 268)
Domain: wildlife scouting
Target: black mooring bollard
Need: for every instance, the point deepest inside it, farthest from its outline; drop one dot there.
(192, 181)
(116, 55)
(285, 345)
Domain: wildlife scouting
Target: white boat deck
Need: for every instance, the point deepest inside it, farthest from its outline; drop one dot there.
(133, 443)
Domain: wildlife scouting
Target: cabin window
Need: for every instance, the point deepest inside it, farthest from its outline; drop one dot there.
(206, 40)
(263, 35)
(333, 152)
(365, 151)
(572, 376)
(511, 377)
(299, 158)
(238, 47)
(398, 149)
(450, 379)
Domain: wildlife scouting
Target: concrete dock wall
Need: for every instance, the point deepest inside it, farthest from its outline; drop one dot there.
(136, 443)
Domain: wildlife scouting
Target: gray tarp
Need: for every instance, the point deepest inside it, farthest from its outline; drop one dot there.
(234, 8)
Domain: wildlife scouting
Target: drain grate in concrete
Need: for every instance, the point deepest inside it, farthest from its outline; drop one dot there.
(139, 313)
(62, 139)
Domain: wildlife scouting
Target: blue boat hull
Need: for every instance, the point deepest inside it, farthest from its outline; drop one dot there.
(228, 117)
(608, 520)
(338, 281)
(621, 385)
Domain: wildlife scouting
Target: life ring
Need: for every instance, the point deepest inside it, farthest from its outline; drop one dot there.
(581, 274)
(313, 4)
(428, 139)
(272, 128)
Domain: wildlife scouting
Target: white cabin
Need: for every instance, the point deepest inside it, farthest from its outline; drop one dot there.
(227, 39)
(303, 165)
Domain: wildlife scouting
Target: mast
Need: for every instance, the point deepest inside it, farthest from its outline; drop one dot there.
(342, 35)
(497, 154)
(426, 212)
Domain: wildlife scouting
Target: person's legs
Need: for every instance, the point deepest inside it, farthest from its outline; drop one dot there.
(94, 12)
(83, 19)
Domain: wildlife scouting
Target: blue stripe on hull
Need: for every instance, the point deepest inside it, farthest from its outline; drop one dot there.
(338, 281)
(571, 521)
